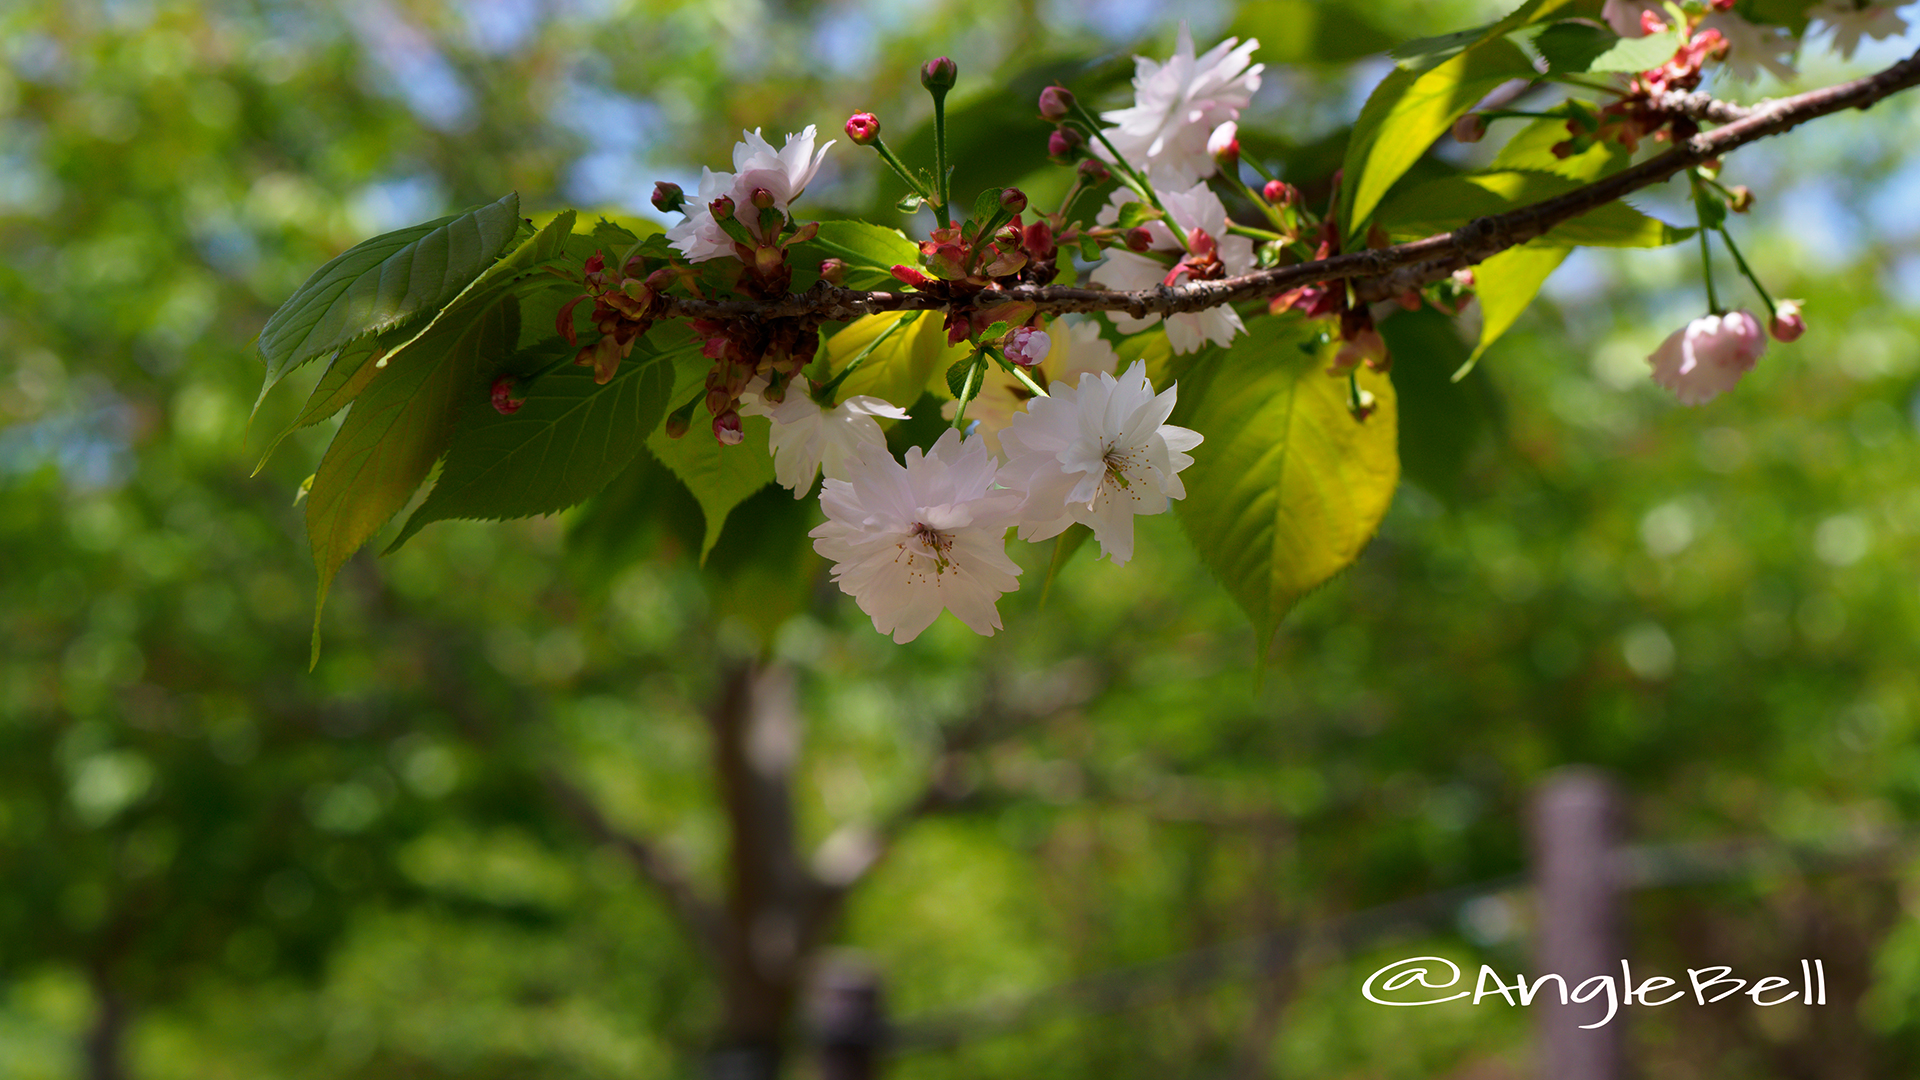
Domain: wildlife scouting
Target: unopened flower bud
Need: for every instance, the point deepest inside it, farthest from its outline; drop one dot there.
(1470, 128)
(939, 75)
(1788, 324)
(909, 276)
(832, 271)
(726, 428)
(1013, 200)
(1027, 346)
(1740, 199)
(1224, 145)
(1056, 103)
(507, 400)
(667, 197)
(1280, 193)
(1139, 239)
(762, 198)
(1064, 144)
(718, 399)
(721, 208)
(1095, 171)
(863, 128)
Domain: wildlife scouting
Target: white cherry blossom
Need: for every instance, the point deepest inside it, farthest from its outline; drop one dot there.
(909, 541)
(1177, 105)
(805, 439)
(1850, 20)
(1705, 358)
(1097, 453)
(783, 173)
(1077, 349)
(1752, 46)
(1195, 208)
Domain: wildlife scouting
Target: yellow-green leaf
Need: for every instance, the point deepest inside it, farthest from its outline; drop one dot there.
(396, 430)
(720, 477)
(1505, 285)
(1288, 486)
(1445, 204)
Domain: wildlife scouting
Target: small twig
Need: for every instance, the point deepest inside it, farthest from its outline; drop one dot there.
(1378, 273)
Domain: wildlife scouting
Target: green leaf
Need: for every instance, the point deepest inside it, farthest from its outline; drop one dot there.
(720, 477)
(566, 441)
(1442, 422)
(398, 427)
(351, 369)
(900, 367)
(1446, 204)
(1638, 54)
(1532, 150)
(383, 282)
(1288, 487)
(1427, 53)
(1408, 111)
(964, 378)
(986, 205)
(1572, 47)
(869, 251)
(1503, 287)
(497, 280)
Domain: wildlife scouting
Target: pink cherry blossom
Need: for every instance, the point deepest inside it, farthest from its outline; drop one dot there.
(1705, 358)
(1178, 104)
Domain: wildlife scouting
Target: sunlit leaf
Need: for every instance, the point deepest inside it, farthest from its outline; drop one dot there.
(1505, 285)
(398, 427)
(1445, 204)
(1289, 486)
(869, 251)
(383, 282)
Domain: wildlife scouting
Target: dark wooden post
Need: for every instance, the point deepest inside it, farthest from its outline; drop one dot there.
(1576, 832)
(849, 1020)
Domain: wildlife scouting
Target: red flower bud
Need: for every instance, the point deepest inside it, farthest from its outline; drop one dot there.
(1095, 171)
(1788, 324)
(832, 271)
(939, 75)
(908, 275)
(505, 401)
(1139, 239)
(1741, 200)
(1065, 144)
(726, 428)
(668, 197)
(1056, 103)
(721, 208)
(762, 198)
(863, 128)
(1280, 193)
(1470, 128)
(1013, 200)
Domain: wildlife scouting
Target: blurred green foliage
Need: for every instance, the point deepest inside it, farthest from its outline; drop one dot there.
(360, 872)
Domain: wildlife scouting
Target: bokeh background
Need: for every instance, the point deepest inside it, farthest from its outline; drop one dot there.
(214, 863)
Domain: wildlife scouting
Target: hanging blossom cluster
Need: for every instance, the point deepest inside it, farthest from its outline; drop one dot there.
(1047, 433)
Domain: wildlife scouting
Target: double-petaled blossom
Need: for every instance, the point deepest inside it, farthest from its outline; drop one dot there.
(1097, 454)
(1705, 358)
(1077, 348)
(1178, 105)
(806, 438)
(780, 174)
(1752, 46)
(909, 541)
(1208, 252)
(1850, 20)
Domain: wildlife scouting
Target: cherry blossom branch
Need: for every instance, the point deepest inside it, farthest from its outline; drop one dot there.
(1381, 272)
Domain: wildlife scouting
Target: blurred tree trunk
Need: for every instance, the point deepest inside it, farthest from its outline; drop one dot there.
(107, 1036)
(771, 898)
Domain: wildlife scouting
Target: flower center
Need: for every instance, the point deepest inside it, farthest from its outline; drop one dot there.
(1119, 459)
(933, 543)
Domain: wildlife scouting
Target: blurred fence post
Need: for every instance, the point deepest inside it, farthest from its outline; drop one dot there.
(1576, 831)
(849, 1020)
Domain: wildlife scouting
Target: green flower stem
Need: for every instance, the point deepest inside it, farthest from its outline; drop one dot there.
(968, 391)
(1706, 252)
(824, 395)
(899, 168)
(1139, 182)
(1753, 278)
(1259, 168)
(1257, 234)
(1027, 381)
(940, 156)
(1271, 211)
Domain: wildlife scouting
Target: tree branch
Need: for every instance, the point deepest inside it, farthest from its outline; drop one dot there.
(700, 917)
(1381, 272)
